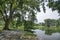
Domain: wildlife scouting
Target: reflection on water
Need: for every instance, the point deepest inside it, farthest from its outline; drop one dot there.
(42, 36)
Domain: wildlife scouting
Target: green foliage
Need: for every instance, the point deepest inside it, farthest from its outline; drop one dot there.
(55, 5)
(52, 22)
(47, 22)
(28, 26)
(58, 22)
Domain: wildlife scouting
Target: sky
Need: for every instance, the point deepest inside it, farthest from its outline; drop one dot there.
(48, 15)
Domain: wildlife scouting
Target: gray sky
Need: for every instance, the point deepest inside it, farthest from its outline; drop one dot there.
(48, 15)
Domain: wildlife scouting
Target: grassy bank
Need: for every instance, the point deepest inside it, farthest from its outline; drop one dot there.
(29, 36)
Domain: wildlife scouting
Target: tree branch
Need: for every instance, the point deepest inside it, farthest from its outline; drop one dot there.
(5, 13)
(2, 15)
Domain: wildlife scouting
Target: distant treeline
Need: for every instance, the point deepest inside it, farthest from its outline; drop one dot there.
(50, 22)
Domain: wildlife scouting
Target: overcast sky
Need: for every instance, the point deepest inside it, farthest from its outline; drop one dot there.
(48, 15)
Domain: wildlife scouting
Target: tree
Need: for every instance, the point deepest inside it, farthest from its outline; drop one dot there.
(55, 5)
(50, 22)
(47, 22)
(28, 26)
(15, 10)
(58, 22)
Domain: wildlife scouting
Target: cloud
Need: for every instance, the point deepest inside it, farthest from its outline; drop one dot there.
(48, 15)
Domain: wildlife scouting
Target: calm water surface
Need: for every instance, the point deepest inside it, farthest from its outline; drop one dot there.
(42, 36)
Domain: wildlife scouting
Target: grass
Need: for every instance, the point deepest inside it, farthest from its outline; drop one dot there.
(38, 27)
(29, 33)
(17, 28)
(53, 29)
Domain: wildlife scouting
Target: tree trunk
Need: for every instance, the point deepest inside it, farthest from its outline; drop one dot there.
(6, 27)
(7, 22)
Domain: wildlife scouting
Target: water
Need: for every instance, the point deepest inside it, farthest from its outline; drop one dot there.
(42, 36)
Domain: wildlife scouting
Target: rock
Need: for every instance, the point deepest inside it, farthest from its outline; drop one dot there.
(11, 35)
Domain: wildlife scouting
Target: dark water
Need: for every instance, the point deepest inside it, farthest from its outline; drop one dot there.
(41, 35)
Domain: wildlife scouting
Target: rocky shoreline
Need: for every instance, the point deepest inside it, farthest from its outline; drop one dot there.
(11, 35)
(15, 35)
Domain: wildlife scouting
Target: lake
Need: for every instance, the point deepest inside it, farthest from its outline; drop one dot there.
(41, 35)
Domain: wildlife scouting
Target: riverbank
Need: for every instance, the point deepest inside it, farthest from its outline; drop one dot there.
(16, 35)
(29, 36)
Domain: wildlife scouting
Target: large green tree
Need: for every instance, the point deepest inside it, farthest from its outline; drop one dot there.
(15, 10)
